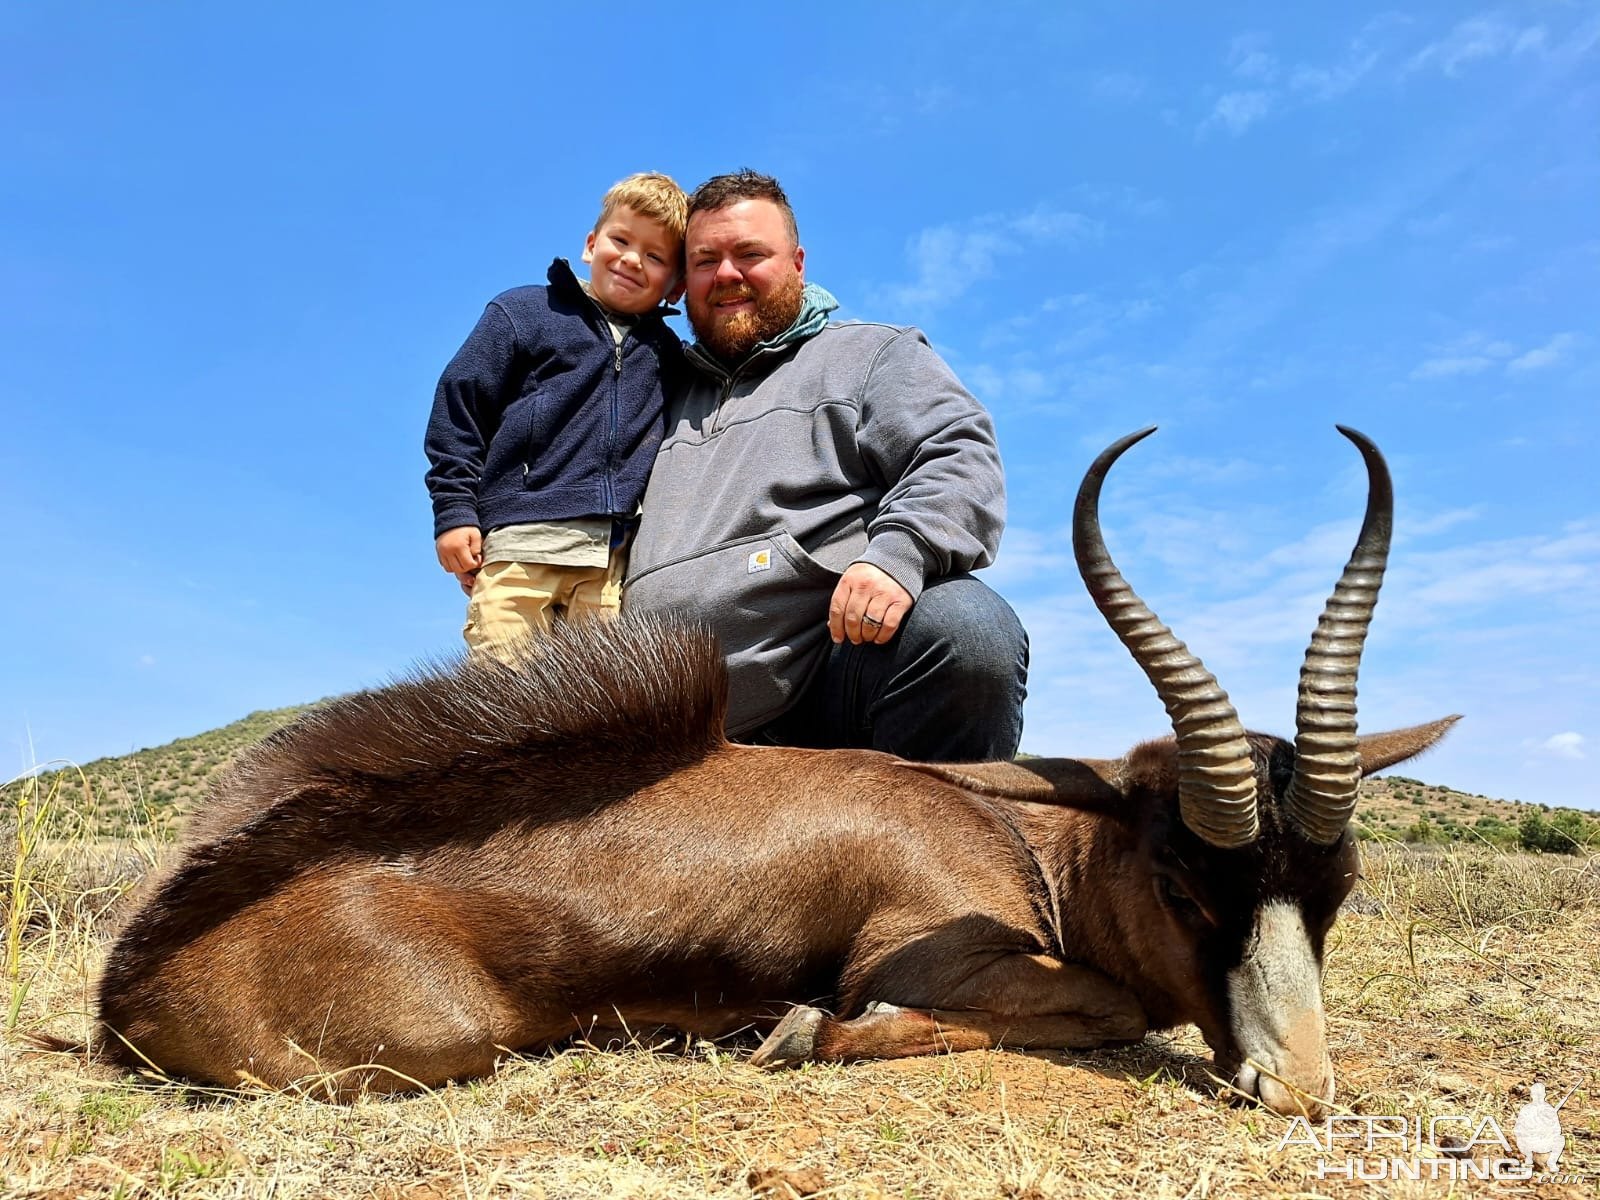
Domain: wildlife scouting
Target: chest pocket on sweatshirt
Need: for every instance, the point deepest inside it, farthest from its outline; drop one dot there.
(766, 599)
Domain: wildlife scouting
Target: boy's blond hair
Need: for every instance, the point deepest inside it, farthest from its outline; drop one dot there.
(650, 194)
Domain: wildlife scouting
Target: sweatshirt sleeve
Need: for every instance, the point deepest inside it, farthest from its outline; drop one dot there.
(933, 446)
(473, 392)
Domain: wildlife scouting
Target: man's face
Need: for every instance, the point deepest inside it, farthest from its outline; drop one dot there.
(745, 276)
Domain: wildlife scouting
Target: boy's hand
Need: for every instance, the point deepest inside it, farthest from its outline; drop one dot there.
(460, 552)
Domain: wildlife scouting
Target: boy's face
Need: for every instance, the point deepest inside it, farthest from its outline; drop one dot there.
(633, 261)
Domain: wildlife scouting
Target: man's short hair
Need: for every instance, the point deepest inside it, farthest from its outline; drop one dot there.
(722, 190)
(650, 194)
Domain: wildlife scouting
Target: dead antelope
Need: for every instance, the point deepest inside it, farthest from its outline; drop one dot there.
(392, 890)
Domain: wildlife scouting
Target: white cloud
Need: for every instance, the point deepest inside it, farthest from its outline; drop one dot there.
(1248, 58)
(1445, 368)
(950, 259)
(1437, 522)
(1118, 87)
(1052, 225)
(932, 99)
(1467, 355)
(1329, 83)
(1430, 226)
(1475, 39)
(1121, 198)
(1565, 745)
(1237, 111)
(1027, 554)
(1547, 355)
(1560, 572)
(1532, 38)
(1273, 85)
(1004, 387)
(1475, 353)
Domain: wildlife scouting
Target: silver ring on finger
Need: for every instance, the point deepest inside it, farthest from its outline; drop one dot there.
(873, 621)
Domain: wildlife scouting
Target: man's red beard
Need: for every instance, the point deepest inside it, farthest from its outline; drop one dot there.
(733, 335)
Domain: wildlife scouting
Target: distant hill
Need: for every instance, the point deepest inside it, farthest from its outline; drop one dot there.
(1400, 808)
(148, 792)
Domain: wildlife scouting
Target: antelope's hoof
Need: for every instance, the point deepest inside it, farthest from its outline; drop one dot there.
(793, 1041)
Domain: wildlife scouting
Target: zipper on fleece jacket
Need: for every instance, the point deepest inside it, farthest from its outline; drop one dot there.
(614, 415)
(612, 423)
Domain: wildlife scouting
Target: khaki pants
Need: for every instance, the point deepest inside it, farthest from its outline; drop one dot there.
(512, 601)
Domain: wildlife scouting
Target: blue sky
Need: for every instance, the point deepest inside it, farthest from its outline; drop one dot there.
(239, 245)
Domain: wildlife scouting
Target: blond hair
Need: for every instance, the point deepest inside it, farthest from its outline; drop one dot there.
(652, 195)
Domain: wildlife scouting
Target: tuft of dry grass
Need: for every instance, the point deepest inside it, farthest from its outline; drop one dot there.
(1476, 887)
(1454, 980)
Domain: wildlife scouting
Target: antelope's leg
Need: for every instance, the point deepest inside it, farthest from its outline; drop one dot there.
(1020, 1000)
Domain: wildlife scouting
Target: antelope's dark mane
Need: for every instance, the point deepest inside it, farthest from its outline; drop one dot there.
(640, 694)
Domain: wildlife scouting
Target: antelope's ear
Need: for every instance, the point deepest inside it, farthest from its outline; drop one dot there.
(1088, 783)
(1382, 750)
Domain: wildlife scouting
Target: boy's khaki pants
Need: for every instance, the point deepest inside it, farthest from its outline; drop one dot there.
(512, 601)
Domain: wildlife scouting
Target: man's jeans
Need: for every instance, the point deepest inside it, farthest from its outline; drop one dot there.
(948, 688)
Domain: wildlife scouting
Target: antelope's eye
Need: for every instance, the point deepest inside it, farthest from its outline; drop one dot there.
(1175, 897)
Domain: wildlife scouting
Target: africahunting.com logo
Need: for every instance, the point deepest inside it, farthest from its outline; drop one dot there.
(1446, 1146)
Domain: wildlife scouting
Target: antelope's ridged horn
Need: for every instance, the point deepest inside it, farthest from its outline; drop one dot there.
(1327, 764)
(1216, 778)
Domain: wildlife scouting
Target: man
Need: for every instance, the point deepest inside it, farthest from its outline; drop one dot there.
(820, 497)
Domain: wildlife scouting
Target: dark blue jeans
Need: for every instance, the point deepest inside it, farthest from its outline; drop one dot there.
(948, 688)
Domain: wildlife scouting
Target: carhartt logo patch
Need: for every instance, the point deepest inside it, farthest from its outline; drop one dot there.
(760, 560)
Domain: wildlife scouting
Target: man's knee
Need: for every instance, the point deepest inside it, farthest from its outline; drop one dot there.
(953, 685)
(971, 626)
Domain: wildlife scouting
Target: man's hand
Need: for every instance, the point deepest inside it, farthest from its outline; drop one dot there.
(867, 606)
(460, 552)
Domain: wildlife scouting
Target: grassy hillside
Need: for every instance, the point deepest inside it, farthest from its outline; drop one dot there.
(1401, 808)
(149, 791)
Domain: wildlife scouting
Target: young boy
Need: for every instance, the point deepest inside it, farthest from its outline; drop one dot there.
(547, 420)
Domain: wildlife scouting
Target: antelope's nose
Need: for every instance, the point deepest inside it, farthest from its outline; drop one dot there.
(1287, 1102)
(1290, 1097)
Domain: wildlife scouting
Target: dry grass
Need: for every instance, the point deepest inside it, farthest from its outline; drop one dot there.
(1453, 982)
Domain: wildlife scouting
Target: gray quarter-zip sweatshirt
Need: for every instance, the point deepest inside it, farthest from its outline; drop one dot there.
(832, 444)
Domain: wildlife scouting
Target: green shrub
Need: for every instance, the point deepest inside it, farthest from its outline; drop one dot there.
(1567, 832)
(1424, 832)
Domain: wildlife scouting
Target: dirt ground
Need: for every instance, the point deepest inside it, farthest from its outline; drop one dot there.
(1452, 985)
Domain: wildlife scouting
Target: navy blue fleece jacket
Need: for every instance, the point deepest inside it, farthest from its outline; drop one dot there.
(541, 416)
